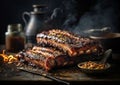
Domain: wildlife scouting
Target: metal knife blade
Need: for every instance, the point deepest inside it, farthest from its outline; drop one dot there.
(42, 73)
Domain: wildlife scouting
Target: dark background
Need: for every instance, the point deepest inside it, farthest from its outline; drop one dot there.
(76, 15)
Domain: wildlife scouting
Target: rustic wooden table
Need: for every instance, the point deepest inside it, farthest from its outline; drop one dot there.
(70, 74)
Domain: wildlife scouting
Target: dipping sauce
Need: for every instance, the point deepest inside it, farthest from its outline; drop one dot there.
(15, 39)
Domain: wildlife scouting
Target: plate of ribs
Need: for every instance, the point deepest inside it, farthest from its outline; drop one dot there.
(59, 48)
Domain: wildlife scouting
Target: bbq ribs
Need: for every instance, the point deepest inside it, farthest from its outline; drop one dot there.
(58, 48)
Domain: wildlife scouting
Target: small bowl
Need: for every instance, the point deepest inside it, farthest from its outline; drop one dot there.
(94, 71)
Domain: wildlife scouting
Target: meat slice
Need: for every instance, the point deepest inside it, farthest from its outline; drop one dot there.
(64, 33)
(48, 63)
(42, 58)
(64, 47)
(43, 49)
(43, 61)
(68, 43)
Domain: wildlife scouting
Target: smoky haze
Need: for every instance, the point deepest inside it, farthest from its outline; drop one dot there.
(80, 15)
(104, 14)
(72, 15)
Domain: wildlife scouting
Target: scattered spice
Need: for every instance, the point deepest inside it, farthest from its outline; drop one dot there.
(92, 65)
(8, 58)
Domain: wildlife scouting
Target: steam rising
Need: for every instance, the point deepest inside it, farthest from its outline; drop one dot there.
(101, 15)
(71, 16)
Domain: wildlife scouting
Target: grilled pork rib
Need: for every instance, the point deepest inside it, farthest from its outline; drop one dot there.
(57, 48)
(48, 61)
(64, 33)
(71, 44)
(44, 59)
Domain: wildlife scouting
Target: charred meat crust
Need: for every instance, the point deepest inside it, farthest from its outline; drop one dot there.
(58, 48)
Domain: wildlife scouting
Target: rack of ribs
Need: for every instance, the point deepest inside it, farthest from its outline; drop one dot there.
(45, 58)
(57, 48)
(69, 43)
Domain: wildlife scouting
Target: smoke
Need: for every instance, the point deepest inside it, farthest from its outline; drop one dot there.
(60, 13)
(80, 15)
(56, 19)
(70, 22)
(75, 9)
(104, 14)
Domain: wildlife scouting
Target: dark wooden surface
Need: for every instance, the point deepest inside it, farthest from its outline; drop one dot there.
(70, 74)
